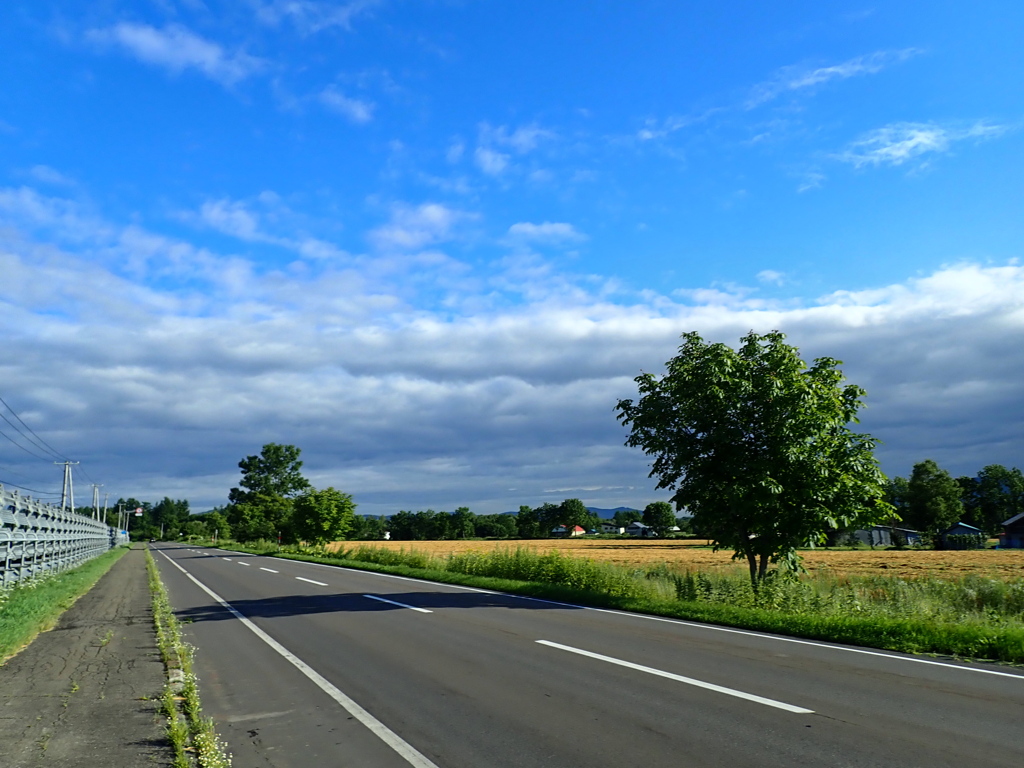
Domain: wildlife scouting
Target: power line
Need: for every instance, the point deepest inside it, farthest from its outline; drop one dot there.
(35, 441)
(88, 477)
(31, 490)
(41, 443)
(19, 445)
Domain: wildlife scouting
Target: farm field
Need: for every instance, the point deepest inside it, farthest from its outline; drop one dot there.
(683, 554)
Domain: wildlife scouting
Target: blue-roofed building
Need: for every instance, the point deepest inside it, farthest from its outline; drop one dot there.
(1012, 536)
(963, 536)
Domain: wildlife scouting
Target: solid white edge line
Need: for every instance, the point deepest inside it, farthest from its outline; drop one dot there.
(682, 622)
(381, 731)
(679, 678)
(268, 570)
(310, 581)
(400, 605)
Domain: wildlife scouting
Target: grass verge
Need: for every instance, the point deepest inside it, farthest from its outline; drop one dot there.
(192, 736)
(929, 616)
(35, 606)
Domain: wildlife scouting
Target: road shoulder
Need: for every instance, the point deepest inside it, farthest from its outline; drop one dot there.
(87, 692)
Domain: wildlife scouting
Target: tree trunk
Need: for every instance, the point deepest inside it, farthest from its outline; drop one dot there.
(763, 569)
(752, 562)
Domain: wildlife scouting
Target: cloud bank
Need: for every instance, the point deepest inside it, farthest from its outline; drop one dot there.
(159, 364)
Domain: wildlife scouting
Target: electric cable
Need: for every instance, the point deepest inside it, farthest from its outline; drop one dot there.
(41, 443)
(32, 490)
(26, 450)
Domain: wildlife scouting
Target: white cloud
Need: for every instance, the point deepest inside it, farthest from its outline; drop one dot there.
(522, 140)
(178, 49)
(497, 144)
(547, 232)
(232, 218)
(455, 151)
(771, 277)
(47, 175)
(899, 143)
(237, 219)
(309, 16)
(490, 161)
(415, 227)
(354, 109)
(800, 78)
(165, 387)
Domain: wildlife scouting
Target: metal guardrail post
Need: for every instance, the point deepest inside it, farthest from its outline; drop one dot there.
(37, 537)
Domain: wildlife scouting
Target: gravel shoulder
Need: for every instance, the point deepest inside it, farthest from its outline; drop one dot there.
(87, 692)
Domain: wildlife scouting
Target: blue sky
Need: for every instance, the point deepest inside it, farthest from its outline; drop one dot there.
(432, 242)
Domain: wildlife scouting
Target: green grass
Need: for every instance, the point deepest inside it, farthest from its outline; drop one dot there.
(188, 731)
(33, 607)
(970, 617)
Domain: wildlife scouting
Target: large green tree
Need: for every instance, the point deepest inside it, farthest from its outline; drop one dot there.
(757, 446)
(573, 512)
(261, 507)
(933, 499)
(324, 515)
(994, 495)
(660, 516)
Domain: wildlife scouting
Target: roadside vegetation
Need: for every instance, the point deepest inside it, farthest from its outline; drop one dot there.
(192, 736)
(970, 617)
(35, 605)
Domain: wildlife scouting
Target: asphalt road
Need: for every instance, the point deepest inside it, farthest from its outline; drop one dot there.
(323, 672)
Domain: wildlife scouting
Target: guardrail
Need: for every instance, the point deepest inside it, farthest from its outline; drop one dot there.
(36, 538)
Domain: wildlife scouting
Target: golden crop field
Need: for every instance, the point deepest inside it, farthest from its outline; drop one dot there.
(685, 553)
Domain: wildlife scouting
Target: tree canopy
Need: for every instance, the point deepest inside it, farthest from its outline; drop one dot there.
(757, 446)
(660, 516)
(932, 499)
(324, 515)
(261, 507)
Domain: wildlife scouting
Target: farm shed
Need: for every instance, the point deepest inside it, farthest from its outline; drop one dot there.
(1012, 536)
(882, 536)
(963, 536)
(560, 530)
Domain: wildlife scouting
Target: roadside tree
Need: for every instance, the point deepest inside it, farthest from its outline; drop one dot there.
(324, 515)
(261, 507)
(757, 446)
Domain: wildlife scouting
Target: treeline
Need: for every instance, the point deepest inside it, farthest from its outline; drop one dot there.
(168, 519)
(274, 501)
(931, 499)
(528, 523)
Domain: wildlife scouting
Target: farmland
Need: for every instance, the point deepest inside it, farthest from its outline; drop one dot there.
(685, 554)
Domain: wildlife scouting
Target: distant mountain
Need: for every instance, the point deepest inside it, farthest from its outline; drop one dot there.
(610, 512)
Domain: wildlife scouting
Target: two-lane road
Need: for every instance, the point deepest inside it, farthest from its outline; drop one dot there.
(310, 665)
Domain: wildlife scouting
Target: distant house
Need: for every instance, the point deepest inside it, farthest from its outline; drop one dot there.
(963, 536)
(610, 526)
(561, 530)
(882, 536)
(1012, 536)
(640, 530)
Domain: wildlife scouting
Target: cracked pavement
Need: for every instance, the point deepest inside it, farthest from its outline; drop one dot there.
(87, 692)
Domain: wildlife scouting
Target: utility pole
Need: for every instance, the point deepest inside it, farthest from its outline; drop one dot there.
(106, 498)
(120, 518)
(96, 501)
(68, 492)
